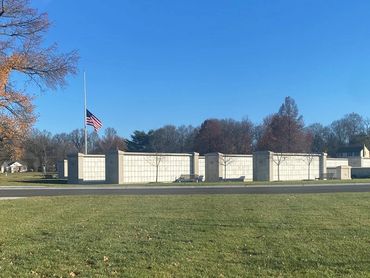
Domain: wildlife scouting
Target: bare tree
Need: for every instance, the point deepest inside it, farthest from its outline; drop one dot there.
(110, 141)
(62, 146)
(320, 137)
(155, 162)
(278, 158)
(225, 161)
(186, 135)
(348, 128)
(309, 159)
(237, 136)
(77, 138)
(164, 139)
(40, 150)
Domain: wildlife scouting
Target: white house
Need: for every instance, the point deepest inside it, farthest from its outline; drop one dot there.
(13, 167)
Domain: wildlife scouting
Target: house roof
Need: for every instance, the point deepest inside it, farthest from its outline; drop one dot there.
(10, 163)
(351, 149)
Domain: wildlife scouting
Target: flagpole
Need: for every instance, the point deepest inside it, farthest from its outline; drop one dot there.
(85, 109)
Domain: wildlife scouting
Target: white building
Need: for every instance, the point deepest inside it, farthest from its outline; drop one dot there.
(12, 167)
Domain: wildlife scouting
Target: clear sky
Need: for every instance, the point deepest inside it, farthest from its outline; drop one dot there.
(151, 63)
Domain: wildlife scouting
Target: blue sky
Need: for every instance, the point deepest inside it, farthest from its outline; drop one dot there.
(151, 63)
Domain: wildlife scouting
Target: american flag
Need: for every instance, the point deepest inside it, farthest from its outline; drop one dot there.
(93, 121)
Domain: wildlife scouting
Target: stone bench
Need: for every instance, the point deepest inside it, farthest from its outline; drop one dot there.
(241, 178)
(326, 176)
(50, 176)
(189, 178)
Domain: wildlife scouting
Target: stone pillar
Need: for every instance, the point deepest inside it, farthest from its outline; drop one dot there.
(65, 167)
(213, 171)
(62, 169)
(114, 167)
(194, 164)
(262, 166)
(75, 168)
(343, 172)
(323, 168)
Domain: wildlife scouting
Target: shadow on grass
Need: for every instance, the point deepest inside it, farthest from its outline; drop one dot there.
(44, 181)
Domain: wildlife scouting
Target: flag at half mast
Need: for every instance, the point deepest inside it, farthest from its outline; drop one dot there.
(93, 121)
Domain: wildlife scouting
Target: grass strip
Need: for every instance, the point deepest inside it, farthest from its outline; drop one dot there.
(186, 236)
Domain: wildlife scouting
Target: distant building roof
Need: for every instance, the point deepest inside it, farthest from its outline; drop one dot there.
(10, 163)
(351, 149)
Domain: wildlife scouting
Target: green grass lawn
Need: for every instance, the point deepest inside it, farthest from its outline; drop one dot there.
(186, 236)
(28, 178)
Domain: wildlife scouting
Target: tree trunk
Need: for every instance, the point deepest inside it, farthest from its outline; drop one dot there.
(156, 173)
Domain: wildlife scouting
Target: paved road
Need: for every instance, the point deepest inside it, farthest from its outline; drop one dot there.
(179, 190)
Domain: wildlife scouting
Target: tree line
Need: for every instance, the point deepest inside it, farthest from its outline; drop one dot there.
(283, 131)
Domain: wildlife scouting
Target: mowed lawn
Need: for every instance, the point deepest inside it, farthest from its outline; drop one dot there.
(29, 179)
(186, 236)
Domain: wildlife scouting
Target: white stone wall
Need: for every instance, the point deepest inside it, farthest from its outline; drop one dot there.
(359, 162)
(202, 166)
(342, 172)
(94, 168)
(141, 167)
(335, 162)
(295, 166)
(236, 166)
(365, 162)
(129, 167)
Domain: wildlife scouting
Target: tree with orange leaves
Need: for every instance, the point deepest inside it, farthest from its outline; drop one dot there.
(21, 32)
